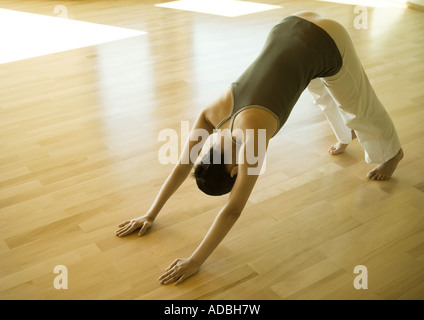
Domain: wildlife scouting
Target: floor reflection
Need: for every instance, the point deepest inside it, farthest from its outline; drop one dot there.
(31, 35)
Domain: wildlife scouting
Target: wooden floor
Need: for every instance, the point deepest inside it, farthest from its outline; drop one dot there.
(79, 155)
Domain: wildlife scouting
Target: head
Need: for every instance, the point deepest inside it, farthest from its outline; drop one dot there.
(213, 176)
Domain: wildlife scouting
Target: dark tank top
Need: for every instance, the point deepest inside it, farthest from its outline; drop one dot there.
(295, 52)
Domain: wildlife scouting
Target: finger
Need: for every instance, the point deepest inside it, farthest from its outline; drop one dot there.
(166, 277)
(180, 280)
(166, 274)
(163, 278)
(120, 229)
(169, 281)
(143, 229)
(117, 232)
(126, 230)
(124, 223)
(122, 226)
(172, 278)
(173, 264)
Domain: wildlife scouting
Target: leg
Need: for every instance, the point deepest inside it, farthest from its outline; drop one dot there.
(360, 107)
(330, 109)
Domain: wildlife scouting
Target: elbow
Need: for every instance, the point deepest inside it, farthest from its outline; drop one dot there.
(232, 213)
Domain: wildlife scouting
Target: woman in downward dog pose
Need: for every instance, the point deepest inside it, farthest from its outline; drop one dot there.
(303, 51)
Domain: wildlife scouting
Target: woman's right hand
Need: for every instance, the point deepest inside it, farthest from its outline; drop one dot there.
(129, 226)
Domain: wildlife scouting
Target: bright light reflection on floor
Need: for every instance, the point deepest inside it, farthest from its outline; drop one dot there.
(372, 3)
(26, 35)
(227, 8)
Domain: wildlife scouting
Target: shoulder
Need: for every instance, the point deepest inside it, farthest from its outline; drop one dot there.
(257, 118)
(219, 109)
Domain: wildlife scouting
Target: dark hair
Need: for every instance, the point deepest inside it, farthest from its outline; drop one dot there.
(212, 176)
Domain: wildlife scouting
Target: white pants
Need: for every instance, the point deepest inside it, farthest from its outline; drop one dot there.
(350, 103)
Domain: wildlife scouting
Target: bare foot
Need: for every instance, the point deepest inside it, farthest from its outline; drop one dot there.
(339, 147)
(385, 170)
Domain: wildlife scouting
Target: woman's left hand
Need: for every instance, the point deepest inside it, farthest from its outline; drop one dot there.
(179, 270)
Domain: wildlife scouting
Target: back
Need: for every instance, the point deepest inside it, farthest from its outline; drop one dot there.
(296, 51)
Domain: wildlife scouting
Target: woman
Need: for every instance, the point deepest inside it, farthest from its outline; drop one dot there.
(303, 50)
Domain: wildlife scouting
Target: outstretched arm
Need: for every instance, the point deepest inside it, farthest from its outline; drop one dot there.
(173, 182)
(181, 269)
